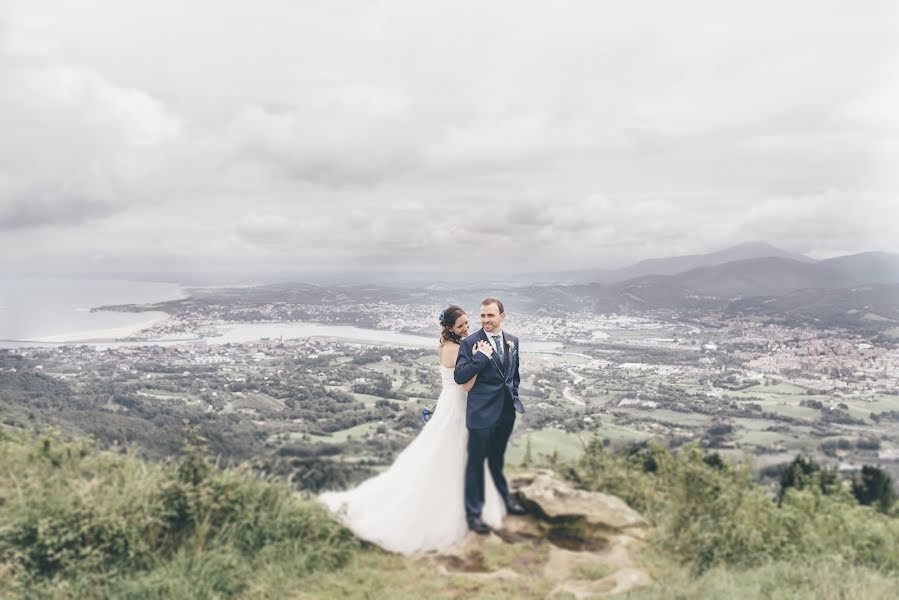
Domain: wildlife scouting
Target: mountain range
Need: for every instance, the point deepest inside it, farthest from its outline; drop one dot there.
(771, 276)
(672, 265)
(752, 278)
(855, 289)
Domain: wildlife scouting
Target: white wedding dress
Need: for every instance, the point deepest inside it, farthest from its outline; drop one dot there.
(418, 504)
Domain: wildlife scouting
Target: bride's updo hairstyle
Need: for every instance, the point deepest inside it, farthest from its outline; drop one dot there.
(447, 320)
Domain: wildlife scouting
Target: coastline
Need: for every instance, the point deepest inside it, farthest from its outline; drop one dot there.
(112, 334)
(239, 333)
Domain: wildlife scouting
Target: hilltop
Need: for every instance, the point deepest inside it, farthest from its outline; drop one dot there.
(80, 522)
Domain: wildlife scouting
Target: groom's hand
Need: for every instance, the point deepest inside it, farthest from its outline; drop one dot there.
(484, 347)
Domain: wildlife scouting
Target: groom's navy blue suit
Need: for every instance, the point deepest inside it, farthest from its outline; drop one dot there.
(490, 414)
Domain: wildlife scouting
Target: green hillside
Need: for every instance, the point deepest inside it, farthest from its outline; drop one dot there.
(78, 522)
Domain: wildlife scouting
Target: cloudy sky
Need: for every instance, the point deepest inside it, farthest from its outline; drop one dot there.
(310, 136)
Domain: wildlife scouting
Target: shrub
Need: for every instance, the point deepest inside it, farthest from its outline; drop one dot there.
(73, 514)
(715, 515)
(868, 444)
(803, 472)
(874, 487)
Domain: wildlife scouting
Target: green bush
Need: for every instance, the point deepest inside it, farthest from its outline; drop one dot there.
(874, 487)
(803, 472)
(712, 514)
(72, 517)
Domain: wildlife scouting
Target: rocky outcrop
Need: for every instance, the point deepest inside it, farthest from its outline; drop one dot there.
(586, 543)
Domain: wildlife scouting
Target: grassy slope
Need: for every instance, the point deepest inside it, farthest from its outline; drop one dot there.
(75, 522)
(79, 523)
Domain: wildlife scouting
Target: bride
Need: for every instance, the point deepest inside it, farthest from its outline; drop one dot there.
(417, 504)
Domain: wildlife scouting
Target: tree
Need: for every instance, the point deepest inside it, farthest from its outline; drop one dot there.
(803, 472)
(874, 487)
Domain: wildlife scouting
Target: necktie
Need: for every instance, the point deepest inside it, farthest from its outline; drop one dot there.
(499, 348)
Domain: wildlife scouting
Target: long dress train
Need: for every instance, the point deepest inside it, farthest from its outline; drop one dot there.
(418, 503)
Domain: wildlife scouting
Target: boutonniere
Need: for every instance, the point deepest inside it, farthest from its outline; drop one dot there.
(512, 351)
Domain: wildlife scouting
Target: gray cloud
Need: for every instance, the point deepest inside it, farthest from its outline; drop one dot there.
(60, 211)
(329, 135)
(75, 147)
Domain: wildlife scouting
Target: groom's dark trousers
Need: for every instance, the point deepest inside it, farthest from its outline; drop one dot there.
(489, 443)
(490, 415)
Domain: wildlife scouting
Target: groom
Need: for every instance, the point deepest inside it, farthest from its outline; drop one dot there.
(492, 355)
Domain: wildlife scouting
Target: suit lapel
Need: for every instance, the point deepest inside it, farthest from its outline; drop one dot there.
(508, 352)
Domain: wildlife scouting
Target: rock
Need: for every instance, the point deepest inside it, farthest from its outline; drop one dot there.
(576, 519)
(584, 542)
(556, 500)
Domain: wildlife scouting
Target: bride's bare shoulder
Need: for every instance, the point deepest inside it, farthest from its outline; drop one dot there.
(449, 348)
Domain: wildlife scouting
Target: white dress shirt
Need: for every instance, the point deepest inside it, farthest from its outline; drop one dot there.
(493, 342)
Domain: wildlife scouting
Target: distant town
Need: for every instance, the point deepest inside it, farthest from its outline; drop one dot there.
(325, 409)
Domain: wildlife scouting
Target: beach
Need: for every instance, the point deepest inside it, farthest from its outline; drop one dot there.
(111, 334)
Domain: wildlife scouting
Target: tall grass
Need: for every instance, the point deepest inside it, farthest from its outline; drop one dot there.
(797, 579)
(710, 513)
(78, 522)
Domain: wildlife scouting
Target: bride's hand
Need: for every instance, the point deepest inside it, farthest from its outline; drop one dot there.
(484, 347)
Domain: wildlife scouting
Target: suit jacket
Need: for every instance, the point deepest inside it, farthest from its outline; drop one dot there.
(497, 384)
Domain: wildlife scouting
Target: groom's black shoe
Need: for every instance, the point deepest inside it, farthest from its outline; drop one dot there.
(514, 507)
(478, 526)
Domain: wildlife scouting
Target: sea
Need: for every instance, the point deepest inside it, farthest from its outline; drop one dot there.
(59, 310)
(48, 312)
